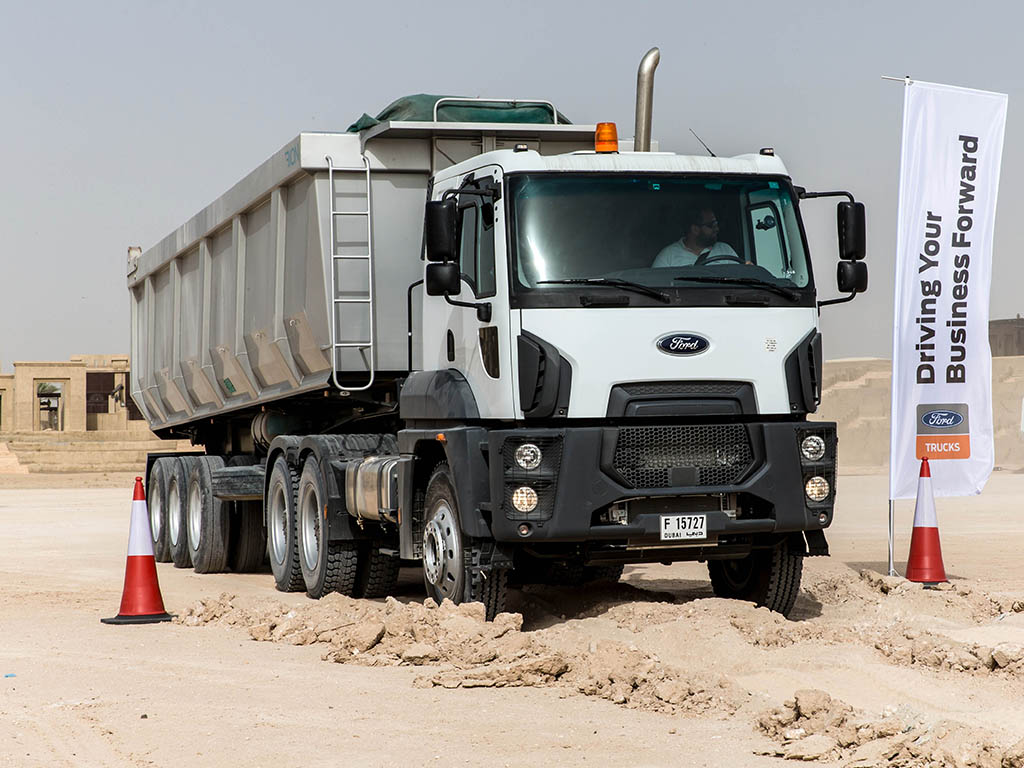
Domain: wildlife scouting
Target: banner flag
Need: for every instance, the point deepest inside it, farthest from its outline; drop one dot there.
(941, 361)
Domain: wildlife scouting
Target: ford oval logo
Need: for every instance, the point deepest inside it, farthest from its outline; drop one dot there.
(683, 344)
(942, 419)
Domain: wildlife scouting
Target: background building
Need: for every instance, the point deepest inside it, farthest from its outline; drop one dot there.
(85, 393)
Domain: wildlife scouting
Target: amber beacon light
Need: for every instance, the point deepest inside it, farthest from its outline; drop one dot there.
(606, 138)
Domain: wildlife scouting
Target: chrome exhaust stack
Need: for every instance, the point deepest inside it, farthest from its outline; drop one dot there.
(645, 100)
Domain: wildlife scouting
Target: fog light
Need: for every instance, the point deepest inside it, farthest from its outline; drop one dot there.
(528, 456)
(823, 518)
(524, 529)
(812, 448)
(524, 499)
(817, 489)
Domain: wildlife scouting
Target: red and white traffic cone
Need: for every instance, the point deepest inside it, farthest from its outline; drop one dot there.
(141, 602)
(925, 562)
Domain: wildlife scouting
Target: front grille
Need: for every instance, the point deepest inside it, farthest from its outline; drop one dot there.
(543, 479)
(712, 455)
(682, 388)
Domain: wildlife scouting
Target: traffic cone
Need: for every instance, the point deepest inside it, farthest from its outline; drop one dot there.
(141, 602)
(925, 562)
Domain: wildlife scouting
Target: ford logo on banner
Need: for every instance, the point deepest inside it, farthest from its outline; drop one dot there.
(942, 419)
(683, 344)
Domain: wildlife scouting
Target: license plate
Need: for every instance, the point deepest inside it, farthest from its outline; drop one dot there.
(676, 527)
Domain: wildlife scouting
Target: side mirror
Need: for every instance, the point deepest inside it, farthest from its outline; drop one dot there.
(851, 276)
(440, 229)
(443, 279)
(850, 225)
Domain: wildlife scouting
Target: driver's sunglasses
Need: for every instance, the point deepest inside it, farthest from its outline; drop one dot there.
(713, 224)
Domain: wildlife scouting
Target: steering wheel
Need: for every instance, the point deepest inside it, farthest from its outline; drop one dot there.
(709, 259)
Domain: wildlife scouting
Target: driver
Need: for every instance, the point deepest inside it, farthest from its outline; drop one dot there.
(699, 242)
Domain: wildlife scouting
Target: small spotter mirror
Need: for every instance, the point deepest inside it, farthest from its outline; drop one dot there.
(852, 276)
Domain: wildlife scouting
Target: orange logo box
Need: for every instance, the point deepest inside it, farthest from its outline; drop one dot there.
(944, 447)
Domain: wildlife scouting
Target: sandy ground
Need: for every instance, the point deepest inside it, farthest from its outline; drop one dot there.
(653, 671)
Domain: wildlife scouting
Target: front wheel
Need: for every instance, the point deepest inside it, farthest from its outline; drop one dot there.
(768, 577)
(448, 554)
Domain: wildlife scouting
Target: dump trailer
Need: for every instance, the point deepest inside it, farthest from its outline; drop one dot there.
(472, 337)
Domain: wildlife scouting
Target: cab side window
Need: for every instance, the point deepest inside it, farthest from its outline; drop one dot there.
(476, 246)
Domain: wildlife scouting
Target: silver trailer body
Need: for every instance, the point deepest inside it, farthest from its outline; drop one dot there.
(297, 278)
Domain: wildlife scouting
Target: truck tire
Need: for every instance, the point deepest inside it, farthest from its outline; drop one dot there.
(179, 469)
(156, 503)
(378, 573)
(280, 510)
(327, 566)
(208, 519)
(768, 577)
(248, 548)
(448, 555)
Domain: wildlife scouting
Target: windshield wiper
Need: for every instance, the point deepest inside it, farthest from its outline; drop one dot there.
(627, 285)
(752, 282)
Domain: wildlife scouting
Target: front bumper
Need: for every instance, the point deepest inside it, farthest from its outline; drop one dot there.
(748, 478)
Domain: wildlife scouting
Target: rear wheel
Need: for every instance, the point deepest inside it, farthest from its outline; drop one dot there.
(248, 549)
(448, 555)
(281, 544)
(208, 520)
(768, 577)
(378, 573)
(156, 502)
(327, 566)
(177, 511)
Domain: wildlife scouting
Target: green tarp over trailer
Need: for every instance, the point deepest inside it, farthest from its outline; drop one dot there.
(420, 108)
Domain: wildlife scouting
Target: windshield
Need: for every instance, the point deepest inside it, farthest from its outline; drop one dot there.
(660, 231)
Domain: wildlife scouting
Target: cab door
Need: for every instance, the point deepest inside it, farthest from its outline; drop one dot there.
(464, 337)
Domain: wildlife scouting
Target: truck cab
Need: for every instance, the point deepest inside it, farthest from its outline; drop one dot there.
(635, 391)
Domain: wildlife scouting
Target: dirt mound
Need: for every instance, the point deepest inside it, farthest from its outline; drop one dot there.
(945, 599)
(463, 650)
(814, 726)
(912, 647)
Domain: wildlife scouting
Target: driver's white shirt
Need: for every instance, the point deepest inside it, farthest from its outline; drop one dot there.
(678, 255)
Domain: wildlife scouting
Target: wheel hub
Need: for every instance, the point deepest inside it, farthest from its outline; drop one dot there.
(442, 552)
(195, 515)
(278, 523)
(309, 517)
(155, 518)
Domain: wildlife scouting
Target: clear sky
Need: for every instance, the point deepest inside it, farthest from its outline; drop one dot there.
(120, 120)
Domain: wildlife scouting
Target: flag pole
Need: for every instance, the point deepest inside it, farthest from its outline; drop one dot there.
(892, 564)
(892, 525)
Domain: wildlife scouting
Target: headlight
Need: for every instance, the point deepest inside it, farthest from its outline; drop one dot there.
(528, 456)
(817, 489)
(812, 448)
(524, 499)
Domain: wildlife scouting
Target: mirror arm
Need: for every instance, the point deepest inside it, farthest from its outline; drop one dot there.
(803, 194)
(483, 308)
(843, 300)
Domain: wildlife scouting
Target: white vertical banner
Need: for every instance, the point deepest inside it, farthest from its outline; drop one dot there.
(941, 361)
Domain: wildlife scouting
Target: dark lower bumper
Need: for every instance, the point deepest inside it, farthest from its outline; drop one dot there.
(585, 470)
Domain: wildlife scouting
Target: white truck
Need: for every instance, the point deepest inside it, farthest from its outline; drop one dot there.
(472, 337)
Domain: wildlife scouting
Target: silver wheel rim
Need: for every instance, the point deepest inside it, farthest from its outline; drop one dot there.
(155, 518)
(278, 523)
(309, 522)
(173, 512)
(442, 552)
(195, 515)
